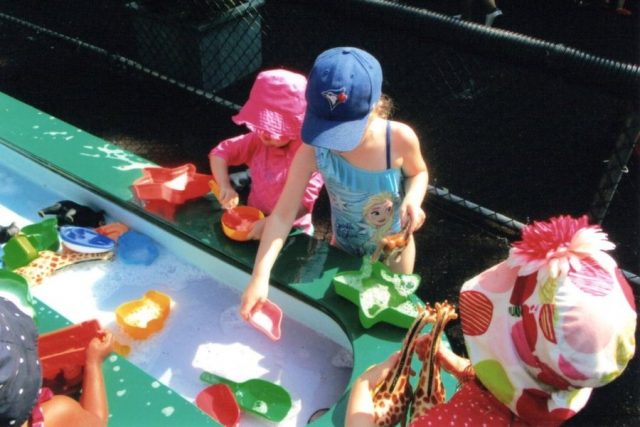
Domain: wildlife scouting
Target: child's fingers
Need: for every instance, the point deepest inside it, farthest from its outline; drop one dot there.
(424, 342)
(414, 219)
(234, 201)
(245, 308)
(376, 373)
(228, 198)
(256, 229)
(249, 305)
(108, 338)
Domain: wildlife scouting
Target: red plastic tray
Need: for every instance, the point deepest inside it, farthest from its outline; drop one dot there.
(63, 354)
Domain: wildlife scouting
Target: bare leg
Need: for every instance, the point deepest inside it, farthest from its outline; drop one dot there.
(491, 12)
(489, 5)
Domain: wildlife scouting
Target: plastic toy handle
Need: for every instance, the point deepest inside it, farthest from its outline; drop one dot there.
(215, 188)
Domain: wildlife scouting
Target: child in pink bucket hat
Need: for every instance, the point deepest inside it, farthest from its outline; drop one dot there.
(273, 114)
(542, 329)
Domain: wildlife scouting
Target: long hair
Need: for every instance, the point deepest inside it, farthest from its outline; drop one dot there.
(384, 107)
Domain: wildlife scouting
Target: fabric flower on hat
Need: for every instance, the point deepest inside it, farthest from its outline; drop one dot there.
(552, 248)
(554, 320)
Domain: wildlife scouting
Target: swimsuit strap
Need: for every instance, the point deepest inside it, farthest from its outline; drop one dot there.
(388, 144)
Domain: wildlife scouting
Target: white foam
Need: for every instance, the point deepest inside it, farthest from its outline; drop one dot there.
(203, 330)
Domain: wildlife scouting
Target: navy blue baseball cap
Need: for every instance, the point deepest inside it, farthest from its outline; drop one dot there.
(20, 371)
(344, 85)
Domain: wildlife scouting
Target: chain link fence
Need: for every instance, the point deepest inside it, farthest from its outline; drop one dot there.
(514, 129)
(205, 44)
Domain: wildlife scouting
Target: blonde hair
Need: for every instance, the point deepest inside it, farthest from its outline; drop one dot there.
(384, 107)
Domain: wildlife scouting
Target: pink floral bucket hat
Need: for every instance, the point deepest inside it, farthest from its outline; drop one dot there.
(276, 104)
(554, 320)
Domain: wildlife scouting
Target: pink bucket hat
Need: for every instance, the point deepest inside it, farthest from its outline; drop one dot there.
(554, 320)
(276, 104)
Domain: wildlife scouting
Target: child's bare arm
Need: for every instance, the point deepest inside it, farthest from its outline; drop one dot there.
(277, 227)
(93, 408)
(458, 366)
(360, 409)
(228, 196)
(94, 393)
(416, 175)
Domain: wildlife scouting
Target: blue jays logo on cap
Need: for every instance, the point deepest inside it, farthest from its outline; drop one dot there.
(335, 97)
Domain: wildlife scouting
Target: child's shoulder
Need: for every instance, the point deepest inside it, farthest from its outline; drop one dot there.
(403, 133)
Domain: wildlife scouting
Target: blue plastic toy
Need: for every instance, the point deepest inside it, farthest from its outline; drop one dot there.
(137, 248)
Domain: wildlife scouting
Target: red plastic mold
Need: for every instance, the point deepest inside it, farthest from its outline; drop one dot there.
(63, 354)
(160, 189)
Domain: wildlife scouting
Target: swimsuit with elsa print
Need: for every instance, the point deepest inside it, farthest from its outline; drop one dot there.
(365, 205)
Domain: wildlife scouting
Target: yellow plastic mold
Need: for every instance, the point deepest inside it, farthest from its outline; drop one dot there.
(142, 317)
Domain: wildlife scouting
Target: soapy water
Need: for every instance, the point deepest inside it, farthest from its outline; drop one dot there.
(260, 407)
(141, 316)
(203, 330)
(378, 295)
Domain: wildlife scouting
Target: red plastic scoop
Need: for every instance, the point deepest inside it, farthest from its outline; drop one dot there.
(219, 402)
(268, 319)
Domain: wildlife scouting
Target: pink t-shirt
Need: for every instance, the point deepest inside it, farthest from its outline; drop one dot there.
(269, 168)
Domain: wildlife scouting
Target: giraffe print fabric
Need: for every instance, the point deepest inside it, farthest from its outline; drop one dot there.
(48, 262)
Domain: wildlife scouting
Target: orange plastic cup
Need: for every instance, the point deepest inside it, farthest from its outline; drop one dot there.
(237, 222)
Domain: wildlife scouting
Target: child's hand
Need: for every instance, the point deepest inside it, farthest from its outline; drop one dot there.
(412, 217)
(422, 346)
(228, 197)
(360, 409)
(100, 347)
(256, 229)
(377, 373)
(253, 297)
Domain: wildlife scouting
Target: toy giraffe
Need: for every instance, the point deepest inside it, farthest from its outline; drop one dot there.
(391, 246)
(430, 390)
(393, 396)
(48, 262)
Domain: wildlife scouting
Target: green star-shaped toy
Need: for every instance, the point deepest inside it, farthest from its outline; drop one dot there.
(380, 294)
